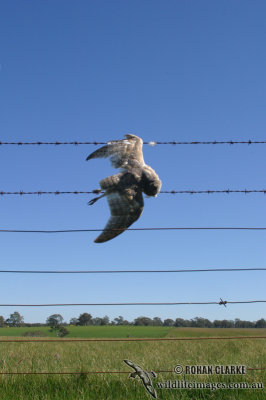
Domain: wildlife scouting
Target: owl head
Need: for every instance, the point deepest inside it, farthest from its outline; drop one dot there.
(151, 184)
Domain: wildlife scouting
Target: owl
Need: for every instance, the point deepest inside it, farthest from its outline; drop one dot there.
(124, 190)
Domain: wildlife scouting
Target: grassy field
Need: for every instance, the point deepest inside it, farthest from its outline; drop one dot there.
(106, 356)
(134, 332)
(95, 331)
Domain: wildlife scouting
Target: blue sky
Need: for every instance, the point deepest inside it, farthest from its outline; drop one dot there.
(164, 70)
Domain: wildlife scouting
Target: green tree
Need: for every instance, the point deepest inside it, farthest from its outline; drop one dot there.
(96, 321)
(119, 320)
(2, 321)
(157, 321)
(73, 321)
(143, 321)
(54, 321)
(199, 322)
(105, 320)
(181, 322)
(261, 323)
(15, 319)
(85, 319)
(168, 322)
(62, 331)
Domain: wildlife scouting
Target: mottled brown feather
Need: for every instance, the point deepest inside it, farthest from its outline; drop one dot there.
(125, 209)
(124, 190)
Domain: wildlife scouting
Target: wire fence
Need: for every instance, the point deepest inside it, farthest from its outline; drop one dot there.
(17, 271)
(151, 143)
(99, 372)
(171, 339)
(120, 340)
(99, 191)
(221, 302)
(48, 231)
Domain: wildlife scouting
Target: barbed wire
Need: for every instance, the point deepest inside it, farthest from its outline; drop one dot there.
(99, 191)
(151, 143)
(98, 372)
(221, 302)
(132, 339)
(50, 231)
(129, 271)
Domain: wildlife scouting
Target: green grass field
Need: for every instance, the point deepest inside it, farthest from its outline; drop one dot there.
(95, 331)
(106, 356)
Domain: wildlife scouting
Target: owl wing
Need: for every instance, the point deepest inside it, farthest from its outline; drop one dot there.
(125, 153)
(126, 207)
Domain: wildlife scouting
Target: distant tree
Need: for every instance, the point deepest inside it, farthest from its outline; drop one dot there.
(119, 320)
(199, 322)
(15, 319)
(243, 324)
(62, 331)
(143, 321)
(105, 320)
(54, 321)
(261, 323)
(247, 324)
(85, 319)
(168, 322)
(100, 321)
(179, 322)
(96, 321)
(223, 323)
(2, 321)
(73, 321)
(207, 323)
(157, 321)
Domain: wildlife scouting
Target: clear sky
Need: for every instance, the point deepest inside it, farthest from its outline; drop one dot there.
(165, 70)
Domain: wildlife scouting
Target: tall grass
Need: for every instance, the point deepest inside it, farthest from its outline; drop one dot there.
(106, 356)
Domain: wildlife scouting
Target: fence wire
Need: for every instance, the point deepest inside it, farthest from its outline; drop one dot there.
(172, 339)
(98, 372)
(9, 271)
(221, 302)
(223, 228)
(151, 143)
(99, 191)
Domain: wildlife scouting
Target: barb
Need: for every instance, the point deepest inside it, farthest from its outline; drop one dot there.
(131, 339)
(128, 271)
(98, 191)
(132, 229)
(151, 143)
(222, 302)
(134, 304)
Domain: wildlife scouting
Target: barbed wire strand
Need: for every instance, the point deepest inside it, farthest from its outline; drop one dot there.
(98, 372)
(131, 229)
(131, 339)
(99, 191)
(151, 143)
(221, 302)
(129, 271)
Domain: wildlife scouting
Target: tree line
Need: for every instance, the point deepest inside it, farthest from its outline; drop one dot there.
(56, 320)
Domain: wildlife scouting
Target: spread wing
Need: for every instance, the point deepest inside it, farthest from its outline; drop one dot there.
(126, 207)
(126, 153)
